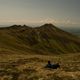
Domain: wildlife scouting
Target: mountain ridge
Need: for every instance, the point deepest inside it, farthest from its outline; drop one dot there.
(46, 39)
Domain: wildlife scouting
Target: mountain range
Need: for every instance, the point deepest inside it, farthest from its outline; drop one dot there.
(45, 39)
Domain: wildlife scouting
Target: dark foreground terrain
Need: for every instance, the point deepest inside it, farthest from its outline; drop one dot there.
(31, 67)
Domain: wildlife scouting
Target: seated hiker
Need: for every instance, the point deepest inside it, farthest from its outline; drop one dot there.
(53, 66)
(49, 65)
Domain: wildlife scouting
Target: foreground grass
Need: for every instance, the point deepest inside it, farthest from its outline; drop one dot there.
(31, 67)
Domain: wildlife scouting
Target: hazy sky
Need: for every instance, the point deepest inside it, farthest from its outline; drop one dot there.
(59, 12)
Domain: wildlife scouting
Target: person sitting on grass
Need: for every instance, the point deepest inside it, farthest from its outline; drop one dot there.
(49, 65)
(53, 66)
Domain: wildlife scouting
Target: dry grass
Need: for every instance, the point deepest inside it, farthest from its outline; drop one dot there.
(31, 67)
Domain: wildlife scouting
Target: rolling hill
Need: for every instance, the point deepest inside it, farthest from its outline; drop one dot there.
(46, 39)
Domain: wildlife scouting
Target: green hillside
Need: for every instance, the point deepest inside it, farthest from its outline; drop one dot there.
(40, 40)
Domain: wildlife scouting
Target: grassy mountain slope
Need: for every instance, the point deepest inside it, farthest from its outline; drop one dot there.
(44, 39)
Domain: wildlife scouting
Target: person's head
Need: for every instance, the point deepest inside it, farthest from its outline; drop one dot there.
(49, 62)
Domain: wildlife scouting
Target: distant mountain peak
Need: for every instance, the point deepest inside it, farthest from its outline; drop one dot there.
(48, 25)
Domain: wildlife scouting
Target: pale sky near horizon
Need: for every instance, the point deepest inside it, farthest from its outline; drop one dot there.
(59, 12)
